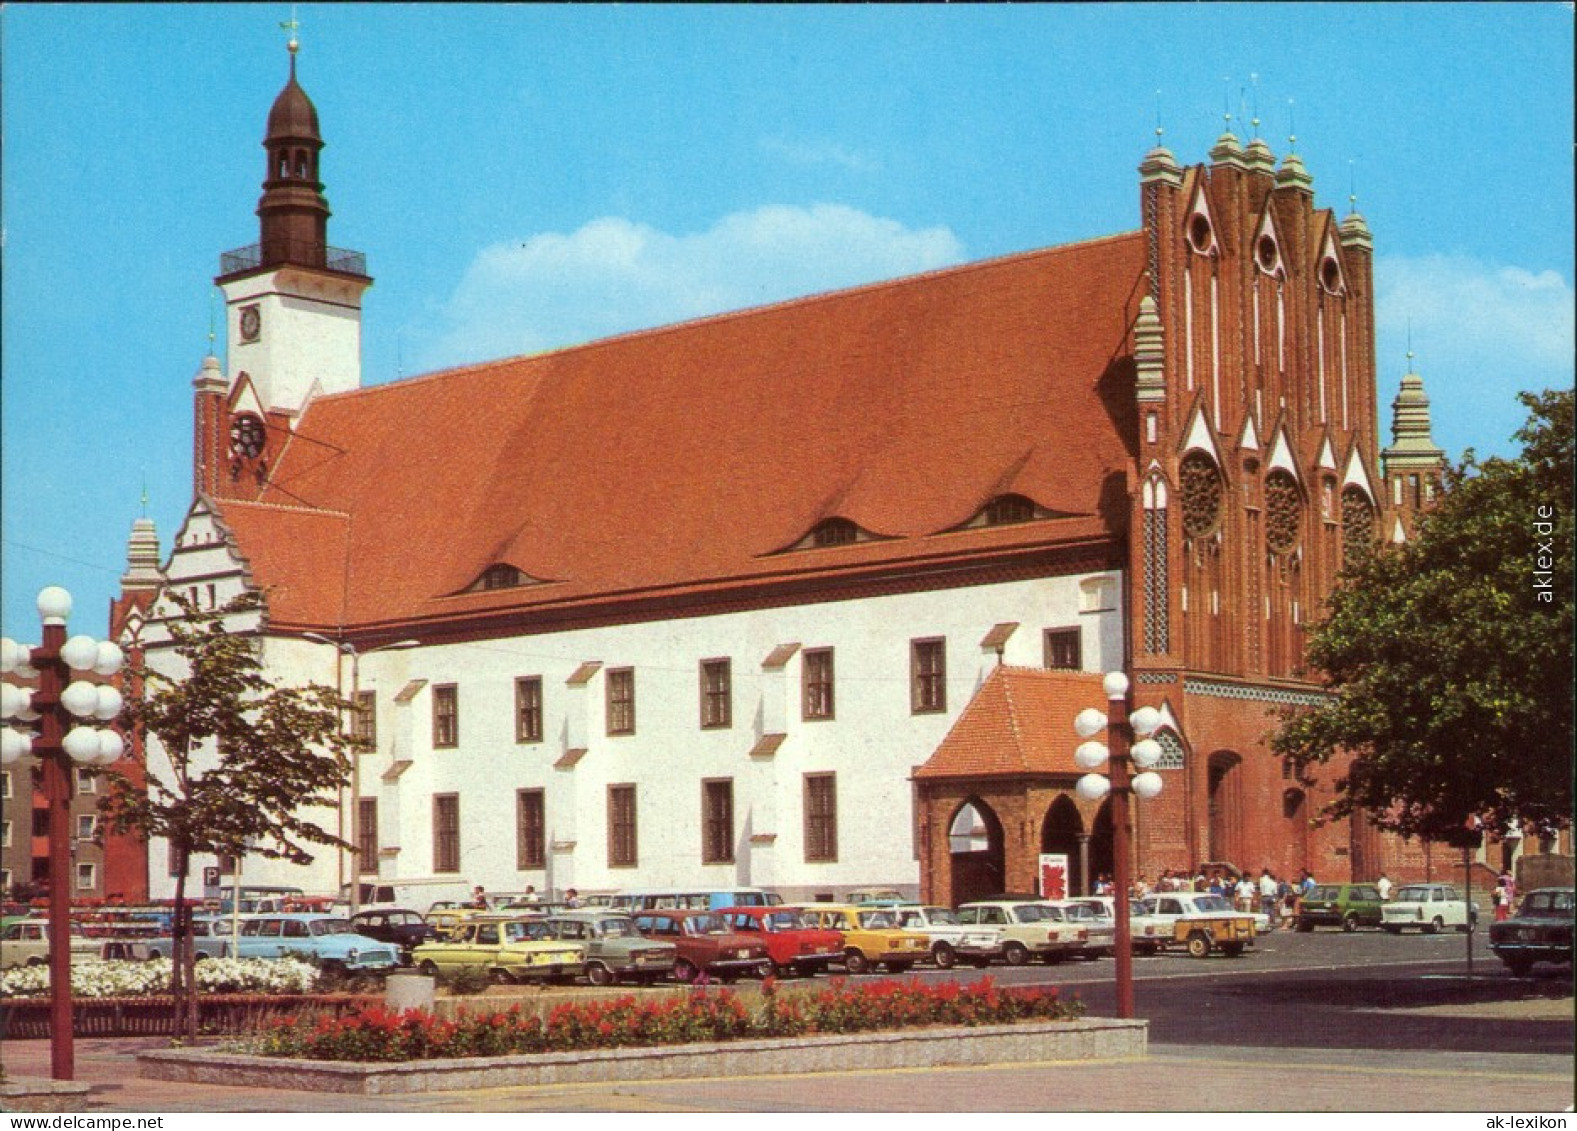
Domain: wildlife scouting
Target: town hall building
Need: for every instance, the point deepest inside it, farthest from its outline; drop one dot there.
(806, 597)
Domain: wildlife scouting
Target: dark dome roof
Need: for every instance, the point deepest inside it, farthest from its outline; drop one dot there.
(293, 114)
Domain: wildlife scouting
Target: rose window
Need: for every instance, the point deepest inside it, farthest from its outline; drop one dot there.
(1200, 485)
(1283, 512)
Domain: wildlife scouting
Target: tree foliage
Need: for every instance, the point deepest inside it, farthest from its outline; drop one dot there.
(240, 763)
(1449, 657)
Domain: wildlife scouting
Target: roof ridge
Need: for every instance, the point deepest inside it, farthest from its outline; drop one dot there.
(225, 504)
(742, 312)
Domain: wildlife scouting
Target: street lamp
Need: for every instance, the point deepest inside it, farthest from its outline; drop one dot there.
(346, 648)
(55, 707)
(1091, 755)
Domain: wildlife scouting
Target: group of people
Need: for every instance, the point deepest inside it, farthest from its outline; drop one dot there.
(1270, 895)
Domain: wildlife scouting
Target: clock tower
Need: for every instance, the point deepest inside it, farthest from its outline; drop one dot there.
(292, 302)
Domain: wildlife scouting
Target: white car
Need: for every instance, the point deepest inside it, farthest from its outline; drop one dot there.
(950, 939)
(1101, 925)
(1155, 916)
(1429, 907)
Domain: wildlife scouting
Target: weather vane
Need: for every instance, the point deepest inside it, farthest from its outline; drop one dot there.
(292, 25)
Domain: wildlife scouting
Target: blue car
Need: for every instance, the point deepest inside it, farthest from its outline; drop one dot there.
(328, 939)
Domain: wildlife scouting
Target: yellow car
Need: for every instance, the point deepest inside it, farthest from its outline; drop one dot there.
(871, 936)
(510, 950)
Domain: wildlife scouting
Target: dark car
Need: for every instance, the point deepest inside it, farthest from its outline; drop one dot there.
(405, 929)
(705, 945)
(1541, 931)
(1348, 906)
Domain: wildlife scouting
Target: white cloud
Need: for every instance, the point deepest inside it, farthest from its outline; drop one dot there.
(614, 275)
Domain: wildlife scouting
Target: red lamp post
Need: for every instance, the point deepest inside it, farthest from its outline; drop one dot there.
(54, 706)
(1117, 751)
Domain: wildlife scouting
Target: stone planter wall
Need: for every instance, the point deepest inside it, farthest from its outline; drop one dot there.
(1097, 1039)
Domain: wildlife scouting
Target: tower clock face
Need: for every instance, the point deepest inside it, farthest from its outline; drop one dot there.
(247, 436)
(251, 323)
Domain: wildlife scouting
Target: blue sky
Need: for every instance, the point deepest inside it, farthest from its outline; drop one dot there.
(521, 177)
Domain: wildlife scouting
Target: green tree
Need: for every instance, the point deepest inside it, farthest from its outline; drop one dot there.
(240, 762)
(1449, 658)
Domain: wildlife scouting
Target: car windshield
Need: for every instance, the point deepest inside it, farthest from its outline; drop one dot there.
(1552, 903)
(1210, 903)
(1033, 913)
(704, 925)
(331, 927)
(534, 931)
(782, 921)
(617, 928)
(1326, 893)
(404, 919)
(1078, 911)
(941, 915)
(876, 920)
(1413, 895)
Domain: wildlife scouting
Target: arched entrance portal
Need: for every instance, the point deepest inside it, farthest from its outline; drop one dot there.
(1226, 808)
(1061, 832)
(975, 839)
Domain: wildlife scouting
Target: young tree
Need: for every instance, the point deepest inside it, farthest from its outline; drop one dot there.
(1449, 658)
(240, 763)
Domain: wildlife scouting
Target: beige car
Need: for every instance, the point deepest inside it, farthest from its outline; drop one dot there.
(26, 943)
(1030, 929)
(508, 950)
(871, 936)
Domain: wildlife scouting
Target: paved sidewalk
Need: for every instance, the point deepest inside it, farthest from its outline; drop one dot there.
(1173, 1078)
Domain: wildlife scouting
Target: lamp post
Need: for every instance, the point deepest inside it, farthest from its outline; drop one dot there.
(346, 648)
(1118, 751)
(55, 706)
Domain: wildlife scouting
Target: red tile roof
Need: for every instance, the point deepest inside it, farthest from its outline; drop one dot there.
(1019, 722)
(688, 457)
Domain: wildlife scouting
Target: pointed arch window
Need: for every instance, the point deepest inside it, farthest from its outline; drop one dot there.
(1283, 512)
(1357, 523)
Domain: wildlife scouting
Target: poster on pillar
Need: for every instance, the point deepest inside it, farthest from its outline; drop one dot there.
(1053, 875)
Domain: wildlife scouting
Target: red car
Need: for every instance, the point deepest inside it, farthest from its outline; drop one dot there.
(795, 944)
(705, 945)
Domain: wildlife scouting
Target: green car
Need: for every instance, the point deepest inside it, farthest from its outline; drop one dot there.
(1348, 906)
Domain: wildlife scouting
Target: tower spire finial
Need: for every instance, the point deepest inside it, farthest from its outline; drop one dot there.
(1159, 129)
(1292, 128)
(292, 25)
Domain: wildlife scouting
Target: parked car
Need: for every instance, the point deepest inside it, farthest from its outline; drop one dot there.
(1540, 931)
(327, 938)
(445, 920)
(400, 926)
(1030, 929)
(871, 937)
(704, 944)
(615, 950)
(211, 938)
(1348, 906)
(507, 949)
(25, 942)
(1100, 925)
(794, 941)
(1200, 921)
(951, 940)
(1429, 907)
(876, 895)
(692, 899)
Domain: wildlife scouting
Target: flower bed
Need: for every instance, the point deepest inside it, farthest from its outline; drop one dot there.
(375, 1033)
(120, 979)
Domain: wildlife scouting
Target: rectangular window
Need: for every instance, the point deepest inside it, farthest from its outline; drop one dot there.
(446, 715)
(364, 720)
(172, 859)
(621, 827)
(717, 694)
(87, 825)
(528, 709)
(5, 834)
(821, 817)
(40, 822)
(87, 781)
(817, 696)
(621, 700)
(717, 822)
(5, 784)
(531, 829)
(928, 676)
(1062, 649)
(367, 835)
(87, 877)
(446, 832)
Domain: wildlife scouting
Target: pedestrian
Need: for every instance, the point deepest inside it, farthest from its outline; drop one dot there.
(572, 898)
(479, 898)
(1245, 893)
(1267, 895)
(1384, 885)
(1287, 897)
(531, 893)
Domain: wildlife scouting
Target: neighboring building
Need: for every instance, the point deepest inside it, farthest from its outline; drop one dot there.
(806, 596)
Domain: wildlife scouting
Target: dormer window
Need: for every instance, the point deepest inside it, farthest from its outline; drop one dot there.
(500, 577)
(834, 532)
(1005, 509)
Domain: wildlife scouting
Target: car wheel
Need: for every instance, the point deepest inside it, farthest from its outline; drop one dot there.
(946, 958)
(855, 962)
(599, 975)
(429, 968)
(35, 961)
(153, 956)
(1433, 926)
(1014, 954)
(1232, 949)
(1198, 945)
(685, 971)
(500, 977)
(1350, 922)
